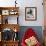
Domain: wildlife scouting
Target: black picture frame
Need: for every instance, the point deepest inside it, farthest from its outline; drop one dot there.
(30, 13)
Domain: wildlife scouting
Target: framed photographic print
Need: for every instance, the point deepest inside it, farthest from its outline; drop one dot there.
(30, 13)
(5, 12)
(13, 12)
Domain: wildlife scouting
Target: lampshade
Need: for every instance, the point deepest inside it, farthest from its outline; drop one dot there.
(15, 30)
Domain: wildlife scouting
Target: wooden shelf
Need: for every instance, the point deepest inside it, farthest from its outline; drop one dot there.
(10, 43)
(10, 9)
(4, 13)
(11, 26)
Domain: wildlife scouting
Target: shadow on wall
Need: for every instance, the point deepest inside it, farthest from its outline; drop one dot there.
(37, 29)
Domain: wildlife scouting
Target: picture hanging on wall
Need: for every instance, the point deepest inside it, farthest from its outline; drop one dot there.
(30, 13)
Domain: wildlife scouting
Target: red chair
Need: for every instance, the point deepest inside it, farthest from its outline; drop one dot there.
(29, 33)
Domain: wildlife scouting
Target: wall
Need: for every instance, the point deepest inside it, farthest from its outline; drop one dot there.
(37, 25)
(32, 3)
(36, 29)
(27, 3)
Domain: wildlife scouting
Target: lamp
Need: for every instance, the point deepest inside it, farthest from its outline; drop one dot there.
(15, 3)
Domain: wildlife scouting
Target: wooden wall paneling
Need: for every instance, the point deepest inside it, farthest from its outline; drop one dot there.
(44, 4)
